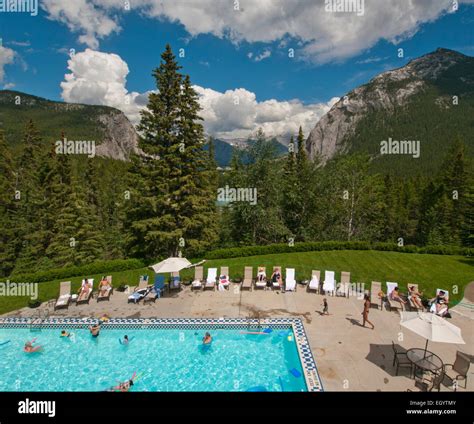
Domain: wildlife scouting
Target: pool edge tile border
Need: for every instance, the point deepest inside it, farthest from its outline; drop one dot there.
(311, 374)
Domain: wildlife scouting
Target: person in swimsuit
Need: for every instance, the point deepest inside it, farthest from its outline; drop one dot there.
(64, 333)
(395, 295)
(126, 385)
(84, 291)
(207, 339)
(104, 286)
(95, 330)
(365, 312)
(325, 307)
(29, 348)
(415, 296)
(275, 278)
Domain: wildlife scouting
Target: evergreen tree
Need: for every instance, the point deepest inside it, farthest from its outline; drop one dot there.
(8, 231)
(174, 197)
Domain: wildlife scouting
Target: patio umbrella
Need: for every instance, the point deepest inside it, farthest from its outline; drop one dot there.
(170, 265)
(431, 327)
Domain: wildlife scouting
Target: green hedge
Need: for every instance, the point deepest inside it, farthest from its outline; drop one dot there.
(236, 252)
(98, 267)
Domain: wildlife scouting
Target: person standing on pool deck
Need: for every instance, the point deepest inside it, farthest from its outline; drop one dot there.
(325, 307)
(365, 312)
(207, 339)
(95, 330)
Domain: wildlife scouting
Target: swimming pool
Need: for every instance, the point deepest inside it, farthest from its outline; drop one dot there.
(166, 355)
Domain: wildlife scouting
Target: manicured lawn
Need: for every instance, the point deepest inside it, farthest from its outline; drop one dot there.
(429, 271)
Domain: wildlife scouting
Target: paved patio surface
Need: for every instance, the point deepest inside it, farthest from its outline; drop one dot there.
(348, 356)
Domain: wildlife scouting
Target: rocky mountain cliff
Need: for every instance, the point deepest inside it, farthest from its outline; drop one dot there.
(114, 135)
(435, 77)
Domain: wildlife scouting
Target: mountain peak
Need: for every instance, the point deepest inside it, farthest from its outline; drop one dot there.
(446, 72)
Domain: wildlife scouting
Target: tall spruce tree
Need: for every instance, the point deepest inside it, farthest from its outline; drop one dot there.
(173, 200)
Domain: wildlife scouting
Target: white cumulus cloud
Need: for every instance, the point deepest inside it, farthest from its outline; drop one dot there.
(317, 35)
(7, 56)
(100, 78)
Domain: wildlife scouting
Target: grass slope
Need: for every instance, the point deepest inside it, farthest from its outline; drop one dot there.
(429, 271)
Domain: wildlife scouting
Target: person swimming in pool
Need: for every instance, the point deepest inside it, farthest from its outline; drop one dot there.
(64, 333)
(125, 341)
(29, 348)
(126, 385)
(207, 339)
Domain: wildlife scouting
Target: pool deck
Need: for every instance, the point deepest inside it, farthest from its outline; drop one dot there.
(349, 357)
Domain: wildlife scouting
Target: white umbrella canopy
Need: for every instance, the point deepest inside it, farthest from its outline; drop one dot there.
(170, 265)
(431, 327)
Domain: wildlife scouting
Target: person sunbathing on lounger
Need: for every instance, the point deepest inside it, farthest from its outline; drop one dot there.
(395, 295)
(439, 304)
(276, 277)
(415, 296)
(84, 291)
(261, 276)
(104, 287)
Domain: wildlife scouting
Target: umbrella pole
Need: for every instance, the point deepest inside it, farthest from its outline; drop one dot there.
(426, 347)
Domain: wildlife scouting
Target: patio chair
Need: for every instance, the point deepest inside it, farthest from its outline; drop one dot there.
(224, 278)
(157, 291)
(329, 285)
(458, 370)
(64, 295)
(88, 296)
(261, 284)
(175, 283)
(290, 282)
(211, 279)
(277, 285)
(247, 282)
(110, 289)
(138, 295)
(198, 277)
(314, 283)
(428, 383)
(375, 289)
(412, 304)
(400, 359)
(393, 304)
(343, 287)
(142, 283)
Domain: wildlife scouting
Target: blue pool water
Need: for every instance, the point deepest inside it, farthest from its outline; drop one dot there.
(164, 360)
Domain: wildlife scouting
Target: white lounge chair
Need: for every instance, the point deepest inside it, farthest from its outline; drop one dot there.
(411, 302)
(443, 310)
(394, 304)
(247, 281)
(142, 283)
(224, 279)
(198, 277)
(211, 279)
(64, 295)
(261, 284)
(344, 285)
(290, 282)
(85, 298)
(375, 290)
(276, 285)
(314, 283)
(329, 285)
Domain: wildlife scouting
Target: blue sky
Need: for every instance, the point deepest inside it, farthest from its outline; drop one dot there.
(219, 61)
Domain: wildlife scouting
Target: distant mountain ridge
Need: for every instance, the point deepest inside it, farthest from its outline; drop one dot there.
(414, 102)
(111, 130)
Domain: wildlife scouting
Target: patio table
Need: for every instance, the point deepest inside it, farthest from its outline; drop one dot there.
(424, 360)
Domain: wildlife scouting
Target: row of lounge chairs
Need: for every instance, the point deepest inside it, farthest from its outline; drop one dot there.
(85, 292)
